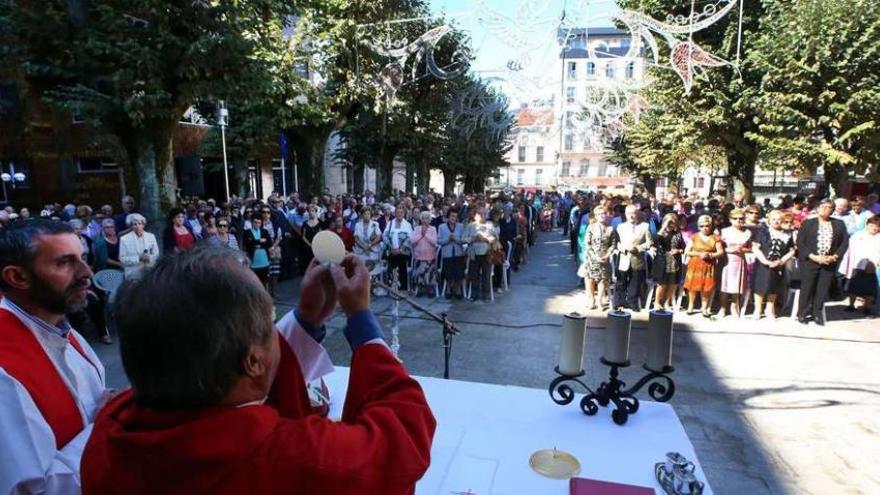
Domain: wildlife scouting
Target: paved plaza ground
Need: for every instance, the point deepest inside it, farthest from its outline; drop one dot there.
(771, 407)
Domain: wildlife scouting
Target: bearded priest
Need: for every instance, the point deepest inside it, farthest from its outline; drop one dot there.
(51, 382)
(216, 404)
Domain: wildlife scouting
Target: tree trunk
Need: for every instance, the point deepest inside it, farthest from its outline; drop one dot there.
(650, 184)
(448, 183)
(423, 177)
(741, 169)
(240, 178)
(357, 173)
(385, 172)
(309, 143)
(836, 180)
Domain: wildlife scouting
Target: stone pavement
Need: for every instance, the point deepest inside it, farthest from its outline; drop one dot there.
(771, 407)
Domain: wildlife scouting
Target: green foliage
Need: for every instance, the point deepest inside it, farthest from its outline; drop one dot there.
(718, 114)
(820, 95)
(134, 67)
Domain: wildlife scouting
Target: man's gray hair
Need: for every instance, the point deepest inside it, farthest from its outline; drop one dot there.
(108, 222)
(131, 218)
(186, 326)
(76, 223)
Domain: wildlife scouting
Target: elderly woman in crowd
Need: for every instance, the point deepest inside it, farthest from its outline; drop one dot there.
(596, 268)
(224, 237)
(773, 248)
(480, 234)
(424, 243)
(178, 235)
(398, 243)
(138, 249)
(343, 232)
(450, 236)
(703, 252)
(860, 265)
(257, 242)
(84, 240)
(367, 238)
(666, 269)
(734, 275)
(107, 247)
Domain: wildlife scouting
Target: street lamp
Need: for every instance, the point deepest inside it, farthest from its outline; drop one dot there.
(12, 177)
(223, 121)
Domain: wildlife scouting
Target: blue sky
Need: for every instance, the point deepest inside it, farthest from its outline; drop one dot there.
(528, 23)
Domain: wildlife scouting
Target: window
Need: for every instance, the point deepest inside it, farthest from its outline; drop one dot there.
(522, 153)
(95, 165)
(661, 182)
(539, 179)
(609, 70)
(630, 70)
(520, 176)
(572, 71)
(566, 169)
(283, 183)
(569, 142)
(569, 95)
(569, 119)
(539, 154)
(584, 169)
(591, 69)
(603, 169)
(700, 182)
(9, 101)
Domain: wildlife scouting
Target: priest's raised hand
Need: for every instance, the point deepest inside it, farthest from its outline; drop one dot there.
(202, 354)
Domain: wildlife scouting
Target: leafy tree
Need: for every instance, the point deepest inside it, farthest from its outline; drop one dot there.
(820, 96)
(329, 42)
(722, 106)
(134, 67)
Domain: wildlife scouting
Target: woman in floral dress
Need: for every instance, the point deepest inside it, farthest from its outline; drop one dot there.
(596, 268)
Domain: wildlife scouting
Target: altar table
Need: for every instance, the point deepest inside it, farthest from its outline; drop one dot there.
(486, 433)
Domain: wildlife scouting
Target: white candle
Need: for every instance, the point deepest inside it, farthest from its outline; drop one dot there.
(571, 348)
(617, 337)
(659, 340)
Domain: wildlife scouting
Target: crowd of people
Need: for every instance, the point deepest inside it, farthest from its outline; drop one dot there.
(461, 246)
(722, 257)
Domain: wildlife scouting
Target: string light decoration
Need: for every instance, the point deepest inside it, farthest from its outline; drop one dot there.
(402, 52)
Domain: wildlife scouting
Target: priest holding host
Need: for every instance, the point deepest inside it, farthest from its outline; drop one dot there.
(222, 399)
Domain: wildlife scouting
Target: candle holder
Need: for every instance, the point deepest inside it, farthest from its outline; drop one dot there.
(661, 389)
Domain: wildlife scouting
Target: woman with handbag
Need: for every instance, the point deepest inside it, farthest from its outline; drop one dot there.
(667, 263)
(276, 234)
(398, 243)
(498, 253)
(596, 269)
(424, 241)
(480, 235)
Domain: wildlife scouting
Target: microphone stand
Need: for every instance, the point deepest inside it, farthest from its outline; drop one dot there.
(450, 329)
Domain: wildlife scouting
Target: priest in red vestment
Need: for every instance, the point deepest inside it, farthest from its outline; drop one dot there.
(218, 405)
(51, 382)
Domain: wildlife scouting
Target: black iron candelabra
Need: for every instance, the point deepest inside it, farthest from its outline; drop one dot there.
(613, 391)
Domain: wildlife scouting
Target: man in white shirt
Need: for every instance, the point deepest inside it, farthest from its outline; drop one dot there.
(633, 240)
(51, 382)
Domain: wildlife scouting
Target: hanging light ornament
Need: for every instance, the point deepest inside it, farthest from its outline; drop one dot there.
(686, 57)
(403, 52)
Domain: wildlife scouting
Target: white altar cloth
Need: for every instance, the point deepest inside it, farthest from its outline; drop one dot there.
(486, 433)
